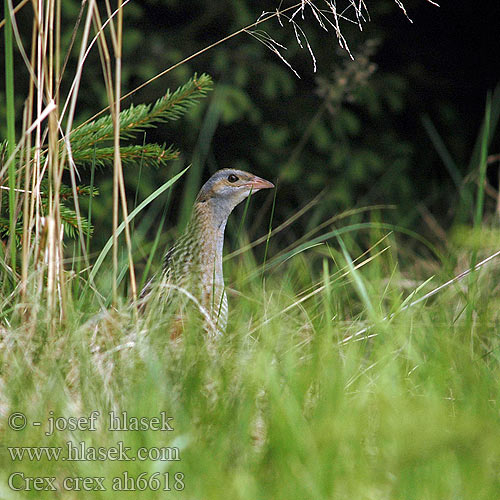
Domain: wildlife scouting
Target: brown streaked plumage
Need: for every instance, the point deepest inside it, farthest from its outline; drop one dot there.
(194, 263)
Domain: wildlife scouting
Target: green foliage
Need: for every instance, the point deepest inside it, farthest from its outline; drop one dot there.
(69, 218)
(136, 119)
(70, 222)
(147, 155)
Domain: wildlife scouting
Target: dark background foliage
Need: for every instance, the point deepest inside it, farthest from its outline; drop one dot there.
(354, 129)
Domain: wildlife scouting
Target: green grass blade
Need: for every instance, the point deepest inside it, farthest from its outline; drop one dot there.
(193, 181)
(483, 163)
(141, 164)
(443, 152)
(279, 259)
(137, 210)
(478, 215)
(242, 221)
(494, 118)
(358, 281)
(152, 252)
(270, 226)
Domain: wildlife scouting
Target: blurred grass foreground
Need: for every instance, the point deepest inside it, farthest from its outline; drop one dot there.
(361, 359)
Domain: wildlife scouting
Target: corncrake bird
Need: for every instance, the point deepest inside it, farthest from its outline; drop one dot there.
(193, 266)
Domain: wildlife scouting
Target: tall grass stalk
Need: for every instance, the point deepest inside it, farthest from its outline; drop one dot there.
(11, 124)
(118, 181)
(89, 214)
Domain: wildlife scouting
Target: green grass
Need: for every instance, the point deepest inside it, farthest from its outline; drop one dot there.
(279, 407)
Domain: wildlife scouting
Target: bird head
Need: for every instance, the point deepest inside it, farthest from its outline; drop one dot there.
(229, 187)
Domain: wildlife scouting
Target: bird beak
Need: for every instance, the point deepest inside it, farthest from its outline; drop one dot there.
(259, 183)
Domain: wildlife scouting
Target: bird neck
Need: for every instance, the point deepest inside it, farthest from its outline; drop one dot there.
(208, 221)
(210, 217)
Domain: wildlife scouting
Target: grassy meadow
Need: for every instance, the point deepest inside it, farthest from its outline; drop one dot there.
(281, 406)
(361, 359)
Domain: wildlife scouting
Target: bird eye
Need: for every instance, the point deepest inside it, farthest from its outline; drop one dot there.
(232, 178)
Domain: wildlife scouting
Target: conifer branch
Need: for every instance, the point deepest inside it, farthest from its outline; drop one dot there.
(148, 154)
(137, 118)
(68, 218)
(89, 147)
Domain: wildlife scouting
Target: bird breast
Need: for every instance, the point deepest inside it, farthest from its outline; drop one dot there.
(195, 262)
